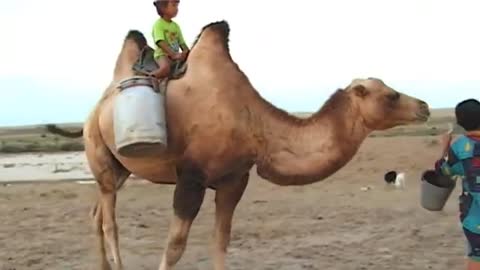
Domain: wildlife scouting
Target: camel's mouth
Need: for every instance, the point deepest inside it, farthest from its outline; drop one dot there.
(418, 118)
(422, 117)
(423, 114)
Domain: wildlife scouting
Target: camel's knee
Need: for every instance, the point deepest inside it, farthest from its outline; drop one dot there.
(109, 228)
(96, 218)
(178, 241)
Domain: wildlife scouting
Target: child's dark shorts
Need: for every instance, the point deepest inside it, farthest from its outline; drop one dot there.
(473, 245)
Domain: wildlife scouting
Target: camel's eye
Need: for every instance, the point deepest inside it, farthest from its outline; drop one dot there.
(393, 96)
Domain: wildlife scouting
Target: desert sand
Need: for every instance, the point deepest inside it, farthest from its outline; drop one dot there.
(334, 224)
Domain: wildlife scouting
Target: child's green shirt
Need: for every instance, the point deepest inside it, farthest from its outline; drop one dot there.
(169, 32)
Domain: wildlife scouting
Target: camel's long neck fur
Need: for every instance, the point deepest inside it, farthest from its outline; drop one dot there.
(297, 151)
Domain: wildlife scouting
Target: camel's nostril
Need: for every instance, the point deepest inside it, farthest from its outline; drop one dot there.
(424, 107)
(425, 111)
(423, 103)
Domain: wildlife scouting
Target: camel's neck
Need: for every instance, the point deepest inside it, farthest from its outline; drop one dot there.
(301, 151)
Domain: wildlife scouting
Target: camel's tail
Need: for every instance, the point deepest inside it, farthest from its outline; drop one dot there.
(69, 134)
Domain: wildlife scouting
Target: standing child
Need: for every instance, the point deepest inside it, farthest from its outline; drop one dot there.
(462, 158)
(168, 38)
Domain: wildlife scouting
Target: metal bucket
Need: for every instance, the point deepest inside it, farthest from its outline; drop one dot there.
(435, 190)
(139, 119)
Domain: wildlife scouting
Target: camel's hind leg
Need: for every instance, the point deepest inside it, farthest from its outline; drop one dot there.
(96, 215)
(110, 176)
(227, 197)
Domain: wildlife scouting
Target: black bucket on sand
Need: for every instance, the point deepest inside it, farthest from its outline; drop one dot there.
(435, 190)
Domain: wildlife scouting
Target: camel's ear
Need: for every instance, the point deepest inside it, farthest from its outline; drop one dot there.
(360, 90)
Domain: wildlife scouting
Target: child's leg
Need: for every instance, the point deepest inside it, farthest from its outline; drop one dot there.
(473, 254)
(164, 67)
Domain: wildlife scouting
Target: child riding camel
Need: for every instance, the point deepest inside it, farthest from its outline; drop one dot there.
(168, 39)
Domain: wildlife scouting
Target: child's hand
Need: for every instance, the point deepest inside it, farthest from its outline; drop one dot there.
(184, 55)
(153, 74)
(446, 140)
(177, 56)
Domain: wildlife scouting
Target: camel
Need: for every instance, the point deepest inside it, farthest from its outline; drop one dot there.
(219, 128)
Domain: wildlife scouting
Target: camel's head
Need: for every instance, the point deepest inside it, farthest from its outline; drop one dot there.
(382, 107)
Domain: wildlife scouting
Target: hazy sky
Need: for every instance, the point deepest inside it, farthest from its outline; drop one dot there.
(57, 56)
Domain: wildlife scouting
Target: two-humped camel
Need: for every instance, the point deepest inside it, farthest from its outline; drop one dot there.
(218, 128)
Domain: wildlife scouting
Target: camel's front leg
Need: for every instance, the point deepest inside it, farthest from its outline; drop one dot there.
(188, 198)
(226, 199)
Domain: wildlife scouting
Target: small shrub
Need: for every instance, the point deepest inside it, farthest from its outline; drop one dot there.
(12, 148)
(33, 147)
(71, 146)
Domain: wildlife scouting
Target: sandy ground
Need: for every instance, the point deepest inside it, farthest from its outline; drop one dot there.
(329, 225)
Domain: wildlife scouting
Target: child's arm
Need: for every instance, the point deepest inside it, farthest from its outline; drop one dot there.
(160, 40)
(449, 164)
(185, 51)
(443, 164)
(447, 139)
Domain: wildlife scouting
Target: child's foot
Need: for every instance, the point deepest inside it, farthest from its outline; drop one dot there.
(159, 85)
(162, 86)
(154, 74)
